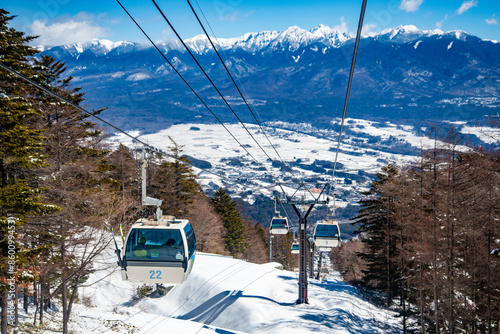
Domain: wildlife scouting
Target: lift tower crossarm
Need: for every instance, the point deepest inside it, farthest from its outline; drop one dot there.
(302, 201)
(303, 298)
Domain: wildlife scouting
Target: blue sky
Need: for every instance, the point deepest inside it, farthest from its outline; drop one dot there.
(67, 21)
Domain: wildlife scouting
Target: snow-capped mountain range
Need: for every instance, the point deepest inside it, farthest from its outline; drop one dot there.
(294, 75)
(293, 37)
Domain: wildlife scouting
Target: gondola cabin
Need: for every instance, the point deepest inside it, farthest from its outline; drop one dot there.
(295, 248)
(160, 251)
(279, 225)
(327, 235)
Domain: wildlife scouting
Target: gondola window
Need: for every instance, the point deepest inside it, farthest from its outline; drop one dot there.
(155, 245)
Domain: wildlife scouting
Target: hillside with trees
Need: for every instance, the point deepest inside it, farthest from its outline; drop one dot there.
(63, 187)
(429, 240)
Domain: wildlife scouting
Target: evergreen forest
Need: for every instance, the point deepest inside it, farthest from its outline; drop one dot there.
(429, 240)
(63, 188)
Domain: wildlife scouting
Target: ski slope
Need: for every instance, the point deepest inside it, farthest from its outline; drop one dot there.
(224, 295)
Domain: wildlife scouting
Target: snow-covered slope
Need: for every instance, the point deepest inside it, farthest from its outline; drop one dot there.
(223, 295)
(366, 147)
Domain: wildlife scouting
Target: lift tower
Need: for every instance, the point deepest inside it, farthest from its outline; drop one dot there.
(294, 202)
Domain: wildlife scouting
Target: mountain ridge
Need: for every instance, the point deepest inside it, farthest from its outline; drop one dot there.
(250, 41)
(403, 73)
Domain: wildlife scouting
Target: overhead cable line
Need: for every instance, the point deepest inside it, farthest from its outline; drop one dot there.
(235, 85)
(154, 149)
(184, 80)
(208, 77)
(221, 49)
(286, 213)
(225, 56)
(351, 74)
(194, 92)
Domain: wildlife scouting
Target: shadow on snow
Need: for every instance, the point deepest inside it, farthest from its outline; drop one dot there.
(212, 308)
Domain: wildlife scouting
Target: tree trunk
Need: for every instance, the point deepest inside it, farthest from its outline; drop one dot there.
(46, 297)
(436, 237)
(451, 237)
(388, 250)
(35, 301)
(435, 273)
(16, 312)
(64, 291)
(421, 266)
(40, 301)
(65, 305)
(421, 298)
(73, 294)
(488, 266)
(474, 284)
(402, 269)
(490, 329)
(4, 301)
(25, 300)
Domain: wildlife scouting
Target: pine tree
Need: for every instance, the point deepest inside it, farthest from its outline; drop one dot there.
(14, 52)
(444, 223)
(20, 154)
(255, 251)
(345, 260)
(283, 251)
(234, 230)
(83, 181)
(378, 229)
(175, 183)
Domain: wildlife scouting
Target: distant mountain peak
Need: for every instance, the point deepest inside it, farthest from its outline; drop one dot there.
(403, 69)
(459, 34)
(97, 46)
(407, 33)
(410, 28)
(294, 30)
(290, 39)
(322, 29)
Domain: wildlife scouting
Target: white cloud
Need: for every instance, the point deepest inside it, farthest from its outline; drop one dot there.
(439, 24)
(342, 27)
(369, 30)
(165, 35)
(492, 20)
(466, 5)
(235, 16)
(410, 5)
(73, 30)
(230, 17)
(138, 77)
(247, 14)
